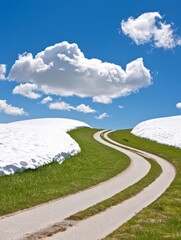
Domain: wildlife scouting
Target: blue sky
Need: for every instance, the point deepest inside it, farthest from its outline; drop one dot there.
(95, 26)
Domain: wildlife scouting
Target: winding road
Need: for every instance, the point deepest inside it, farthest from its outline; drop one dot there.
(100, 225)
(18, 225)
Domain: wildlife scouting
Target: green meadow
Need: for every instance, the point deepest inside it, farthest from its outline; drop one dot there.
(161, 220)
(94, 164)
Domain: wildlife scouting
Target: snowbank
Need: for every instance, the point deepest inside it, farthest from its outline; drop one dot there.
(163, 130)
(33, 143)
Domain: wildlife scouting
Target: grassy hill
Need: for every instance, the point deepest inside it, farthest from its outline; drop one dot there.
(95, 163)
(161, 220)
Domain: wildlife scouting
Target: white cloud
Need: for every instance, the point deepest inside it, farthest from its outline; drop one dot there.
(120, 106)
(61, 106)
(179, 42)
(63, 70)
(27, 90)
(178, 105)
(11, 110)
(149, 28)
(102, 99)
(67, 107)
(46, 100)
(85, 109)
(102, 116)
(2, 71)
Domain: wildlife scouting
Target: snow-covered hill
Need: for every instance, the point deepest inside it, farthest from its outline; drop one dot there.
(163, 130)
(33, 143)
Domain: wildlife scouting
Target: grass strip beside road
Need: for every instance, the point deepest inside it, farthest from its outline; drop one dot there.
(94, 164)
(160, 220)
(154, 172)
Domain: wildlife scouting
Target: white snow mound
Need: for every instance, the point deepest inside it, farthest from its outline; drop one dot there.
(162, 130)
(32, 143)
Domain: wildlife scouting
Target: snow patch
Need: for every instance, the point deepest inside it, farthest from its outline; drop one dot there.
(162, 130)
(33, 143)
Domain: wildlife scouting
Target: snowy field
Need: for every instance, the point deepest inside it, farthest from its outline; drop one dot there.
(32, 143)
(163, 130)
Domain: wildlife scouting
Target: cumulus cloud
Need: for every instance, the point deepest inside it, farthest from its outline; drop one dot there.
(149, 27)
(27, 90)
(102, 116)
(11, 110)
(85, 109)
(46, 100)
(63, 70)
(178, 105)
(2, 71)
(61, 106)
(67, 107)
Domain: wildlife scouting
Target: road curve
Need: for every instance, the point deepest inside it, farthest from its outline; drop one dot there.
(100, 225)
(32, 220)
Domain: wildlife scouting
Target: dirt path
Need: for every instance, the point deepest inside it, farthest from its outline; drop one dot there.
(32, 220)
(100, 225)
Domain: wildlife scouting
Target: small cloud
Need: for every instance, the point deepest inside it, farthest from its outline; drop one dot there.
(61, 106)
(46, 100)
(120, 106)
(179, 42)
(148, 28)
(11, 110)
(102, 116)
(27, 90)
(67, 107)
(102, 99)
(85, 109)
(2, 71)
(178, 105)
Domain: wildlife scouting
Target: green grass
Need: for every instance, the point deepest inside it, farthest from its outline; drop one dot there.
(161, 220)
(154, 172)
(95, 163)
